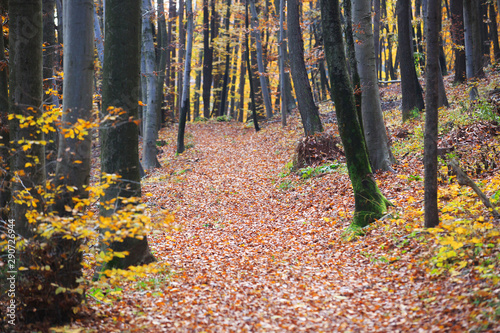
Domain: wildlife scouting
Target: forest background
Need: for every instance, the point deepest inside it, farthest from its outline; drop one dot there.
(87, 88)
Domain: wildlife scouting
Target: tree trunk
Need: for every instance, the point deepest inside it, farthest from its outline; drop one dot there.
(376, 34)
(4, 126)
(187, 70)
(149, 151)
(25, 86)
(249, 69)
(281, 60)
(162, 58)
(180, 54)
(308, 110)
(119, 139)
(51, 100)
(457, 33)
(225, 84)
(373, 122)
(260, 61)
(241, 88)
(98, 38)
(410, 87)
(351, 55)
(73, 158)
(370, 204)
(208, 52)
(197, 87)
(494, 31)
(473, 47)
(431, 115)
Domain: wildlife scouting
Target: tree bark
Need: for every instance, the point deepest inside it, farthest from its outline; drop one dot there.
(494, 31)
(5, 177)
(376, 34)
(473, 47)
(431, 215)
(410, 87)
(260, 61)
(119, 139)
(370, 204)
(73, 158)
(185, 107)
(149, 151)
(225, 84)
(376, 138)
(457, 33)
(249, 69)
(207, 60)
(25, 86)
(282, 64)
(308, 110)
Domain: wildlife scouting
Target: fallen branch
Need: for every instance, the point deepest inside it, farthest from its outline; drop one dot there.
(465, 180)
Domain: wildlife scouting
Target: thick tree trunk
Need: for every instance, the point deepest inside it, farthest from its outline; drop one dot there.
(308, 110)
(410, 87)
(25, 86)
(351, 55)
(376, 34)
(370, 204)
(376, 138)
(431, 115)
(185, 105)
(260, 61)
(119, 140)
(73, 158)
(4, 126)
(473, 46)
(457, 33)
(149, 151)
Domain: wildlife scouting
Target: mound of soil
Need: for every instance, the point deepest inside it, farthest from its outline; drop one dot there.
(317, 149)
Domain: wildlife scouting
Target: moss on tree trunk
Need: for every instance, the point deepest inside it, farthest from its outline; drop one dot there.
(370, 204)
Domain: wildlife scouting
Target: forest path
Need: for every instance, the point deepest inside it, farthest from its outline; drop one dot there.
(251, 256)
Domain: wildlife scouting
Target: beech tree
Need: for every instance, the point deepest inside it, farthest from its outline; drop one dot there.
(410, 87)
(25, 100)
(185, 107)
(431, 217)
(120, 138)
(377, 141)
(473, 47)
(150, 117)
(370, 204)
(308, 110)
(457, 33)
(73, 157)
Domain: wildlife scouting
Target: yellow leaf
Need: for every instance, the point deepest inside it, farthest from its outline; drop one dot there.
(326, 219)
(494, 233)
(481, 219)
(77, 162)
(28, 164)
(461, 230)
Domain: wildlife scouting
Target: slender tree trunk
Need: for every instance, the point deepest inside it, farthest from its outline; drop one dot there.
(494, 31)
(120, 140)
(172, 69)
(249, 69)
(410, 87)
(99, 43)
(370, 204)
(225, 84)
(373, 122)
(457, 33)
(282, 64)
(207, 60)
(51, 99)
(241, 88)
(197, 87)
(187, 70)
(180, 55)
(25, 87)
(308, 110)
(150, 118)
(431, 116)
(162, 41)
(260, 61)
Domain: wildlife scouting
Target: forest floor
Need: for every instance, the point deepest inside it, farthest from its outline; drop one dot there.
(255, 247)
